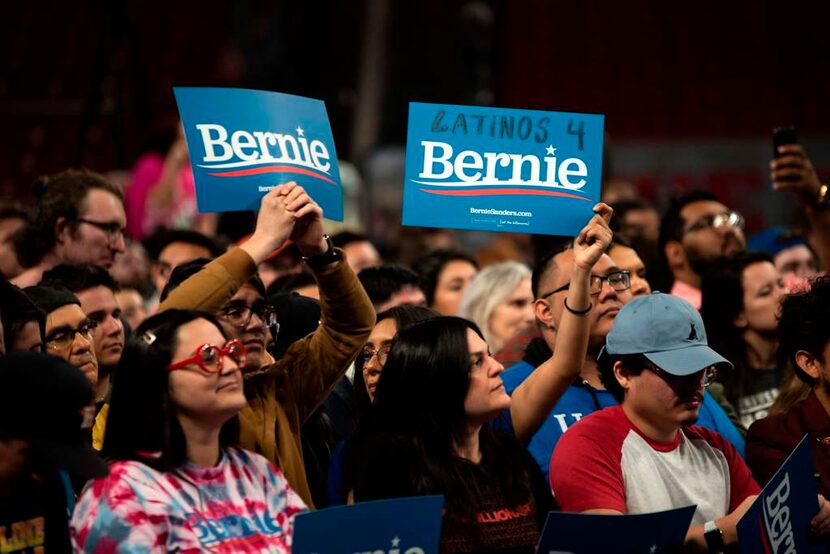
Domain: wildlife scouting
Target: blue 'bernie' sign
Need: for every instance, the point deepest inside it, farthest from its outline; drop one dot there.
(397, 526)
(779, 519)
(500, 169)
(242, 143)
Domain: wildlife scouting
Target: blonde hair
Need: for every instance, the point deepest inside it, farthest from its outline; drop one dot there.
(490, 286)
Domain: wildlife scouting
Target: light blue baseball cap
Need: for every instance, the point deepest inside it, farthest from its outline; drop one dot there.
(665, 329)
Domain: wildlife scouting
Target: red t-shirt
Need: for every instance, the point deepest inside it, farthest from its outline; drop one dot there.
(605, 462)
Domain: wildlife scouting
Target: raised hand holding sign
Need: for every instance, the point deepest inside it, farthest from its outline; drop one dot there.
(242, 143)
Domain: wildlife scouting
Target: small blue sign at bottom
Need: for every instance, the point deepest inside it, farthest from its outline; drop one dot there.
(779, 519)
(403, 525)
(651, 533)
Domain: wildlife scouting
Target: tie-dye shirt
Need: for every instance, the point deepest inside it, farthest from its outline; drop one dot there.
(243, 504)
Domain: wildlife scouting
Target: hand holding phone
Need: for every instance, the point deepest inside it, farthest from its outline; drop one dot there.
(782, 136)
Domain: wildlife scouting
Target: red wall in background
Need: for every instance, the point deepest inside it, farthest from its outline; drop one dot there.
(658, 69)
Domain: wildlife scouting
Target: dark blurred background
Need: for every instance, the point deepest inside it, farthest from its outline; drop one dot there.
(691, 92)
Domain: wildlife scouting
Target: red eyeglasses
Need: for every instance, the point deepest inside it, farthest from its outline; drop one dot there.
(209, 356)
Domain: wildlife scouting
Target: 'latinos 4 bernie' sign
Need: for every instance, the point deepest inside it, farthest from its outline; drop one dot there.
(500, 169)
(242, 143)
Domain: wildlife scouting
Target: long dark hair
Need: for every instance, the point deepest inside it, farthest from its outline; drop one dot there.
(142, 423)
(420, 401)
(404, 317)
(723, 301)
(362, 408)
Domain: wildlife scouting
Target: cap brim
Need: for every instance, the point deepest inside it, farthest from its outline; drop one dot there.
(686, 361)
(79, 460)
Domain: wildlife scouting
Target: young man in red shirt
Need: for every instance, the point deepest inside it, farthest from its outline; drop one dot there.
(646, 455)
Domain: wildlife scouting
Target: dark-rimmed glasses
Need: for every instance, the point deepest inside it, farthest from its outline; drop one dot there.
(366, 354)
(63, 337)
(112, 229)
(617, 280)
(240, 315)
(732, 219)
(210, 357)
(706, 379)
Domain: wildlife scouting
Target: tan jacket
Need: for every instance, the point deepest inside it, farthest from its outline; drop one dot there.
(282, 396)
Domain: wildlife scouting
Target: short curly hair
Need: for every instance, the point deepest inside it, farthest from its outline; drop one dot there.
(805, 325)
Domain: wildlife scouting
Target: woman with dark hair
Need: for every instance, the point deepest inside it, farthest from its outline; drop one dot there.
(431, 433)
(742, 297)
(368, 367)
(176, 482)
(445, 275)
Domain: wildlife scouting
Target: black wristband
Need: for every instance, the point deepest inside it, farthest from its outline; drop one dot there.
(578, 312)
(321, 260)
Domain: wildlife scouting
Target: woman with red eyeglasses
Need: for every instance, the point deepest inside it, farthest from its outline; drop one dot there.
(176, 482)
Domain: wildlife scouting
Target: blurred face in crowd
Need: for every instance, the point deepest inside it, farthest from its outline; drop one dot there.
(408, 295)
(511, 315)
(99, 305)
(663, 400)
(375, 352)
(643, 223)
(242, 318)
(486, 396)
(99, 237)
(172, 256)
(797, 260)
(69, 335)
(702, 240)
(361, 254)
(604, 306)
(204, 396)
(28, 338)
(9, 266)
(450, 287)
(132, 268)
(627, 258)
(132, 306)
(763, 292)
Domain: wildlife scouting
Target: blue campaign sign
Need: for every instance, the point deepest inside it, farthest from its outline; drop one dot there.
(242, 143)
(399, 526)
(779, 519)
(500, 169)
(567, 533)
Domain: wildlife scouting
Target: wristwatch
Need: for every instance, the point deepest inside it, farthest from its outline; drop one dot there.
(822, 198)
(714, 537)
(322, 260)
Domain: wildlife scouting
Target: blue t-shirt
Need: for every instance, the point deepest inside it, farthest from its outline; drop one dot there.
(581, 399)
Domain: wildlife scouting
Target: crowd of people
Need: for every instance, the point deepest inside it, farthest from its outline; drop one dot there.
(171, 389)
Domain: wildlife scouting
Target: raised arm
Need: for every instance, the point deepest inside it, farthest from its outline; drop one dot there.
(318, 361)
(218, 281)
(794, 172)
(533, 400)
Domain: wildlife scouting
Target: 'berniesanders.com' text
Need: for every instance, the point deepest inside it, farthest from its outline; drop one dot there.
(490, 211)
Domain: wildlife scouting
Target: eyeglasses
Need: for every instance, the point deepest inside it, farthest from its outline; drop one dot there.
(617, 280)
(112, 229)
(714, 221)
(63, 337)
(240, 315)
(210, 357)
(706, 379)
(366, 354)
